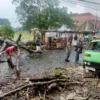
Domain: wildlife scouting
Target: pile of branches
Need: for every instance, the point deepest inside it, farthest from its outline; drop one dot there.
(60, 80)
(32, 87)
(40, 87)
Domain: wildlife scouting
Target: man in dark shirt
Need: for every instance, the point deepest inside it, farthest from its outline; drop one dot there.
(78, 50)
(38, 45)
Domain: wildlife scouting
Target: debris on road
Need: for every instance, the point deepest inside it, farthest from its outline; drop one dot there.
(65, 83)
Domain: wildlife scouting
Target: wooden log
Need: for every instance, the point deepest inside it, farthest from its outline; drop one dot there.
(53, 85)
(13, 43)
(3, 47)
(50, 97)
(19, 38)
(38, 80)
(16, 69)
(42, 79)
(30, 51)
(10, 63)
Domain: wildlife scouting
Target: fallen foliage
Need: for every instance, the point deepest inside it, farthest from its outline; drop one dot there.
(60, 84)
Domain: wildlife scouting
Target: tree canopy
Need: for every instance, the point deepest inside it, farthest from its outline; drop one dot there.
(41, 14)
(4, 22)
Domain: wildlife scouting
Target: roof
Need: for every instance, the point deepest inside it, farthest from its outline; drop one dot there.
(81, 18)
(63, 28)
(88, 26)
(74, 14)
(82, 14)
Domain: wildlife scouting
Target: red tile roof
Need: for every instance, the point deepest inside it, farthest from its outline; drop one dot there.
(81, 18)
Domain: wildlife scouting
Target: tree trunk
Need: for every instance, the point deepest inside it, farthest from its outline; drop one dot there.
(19, 38)
(20, 45)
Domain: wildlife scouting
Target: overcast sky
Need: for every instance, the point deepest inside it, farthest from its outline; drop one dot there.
(7, 9)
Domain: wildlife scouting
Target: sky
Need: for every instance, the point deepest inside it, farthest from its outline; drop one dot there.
(7, 9)
(81, 7)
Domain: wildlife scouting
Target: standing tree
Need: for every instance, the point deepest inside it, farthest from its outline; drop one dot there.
(6, 31)
(4, 21)
(41, 14)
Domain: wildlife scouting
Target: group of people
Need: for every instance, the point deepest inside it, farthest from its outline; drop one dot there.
(79, 44)
(13, 51)
(78, 48)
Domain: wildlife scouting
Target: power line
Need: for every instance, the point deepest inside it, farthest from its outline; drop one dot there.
(90, 2)
(82, 4)
(90, 8)
(74, 2)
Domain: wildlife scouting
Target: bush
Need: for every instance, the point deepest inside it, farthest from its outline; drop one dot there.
(6, 31)
(31, 45)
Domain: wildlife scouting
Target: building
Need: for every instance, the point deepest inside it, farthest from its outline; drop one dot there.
(61, 33)
(89, 25)
(86, 21)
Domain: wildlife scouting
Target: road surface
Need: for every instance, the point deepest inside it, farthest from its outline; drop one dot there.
(47, 61)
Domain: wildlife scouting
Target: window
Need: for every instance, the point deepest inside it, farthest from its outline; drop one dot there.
(95, 46)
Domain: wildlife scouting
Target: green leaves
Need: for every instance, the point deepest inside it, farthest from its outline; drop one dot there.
(6, 31)
(4, 21)
(42, 14)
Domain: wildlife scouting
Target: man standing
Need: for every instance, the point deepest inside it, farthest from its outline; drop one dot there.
(38, 46)
(68, 50)
(78, 50)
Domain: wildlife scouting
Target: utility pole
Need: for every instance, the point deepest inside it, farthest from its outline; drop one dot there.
(95, 21)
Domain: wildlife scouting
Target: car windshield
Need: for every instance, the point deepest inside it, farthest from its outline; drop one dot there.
(95, 46)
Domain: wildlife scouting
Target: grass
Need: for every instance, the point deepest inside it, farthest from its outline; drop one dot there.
(25, 37)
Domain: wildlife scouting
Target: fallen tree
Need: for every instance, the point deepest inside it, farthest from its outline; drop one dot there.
(8, 43)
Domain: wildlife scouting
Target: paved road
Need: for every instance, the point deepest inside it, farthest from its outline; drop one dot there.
(48, 60)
